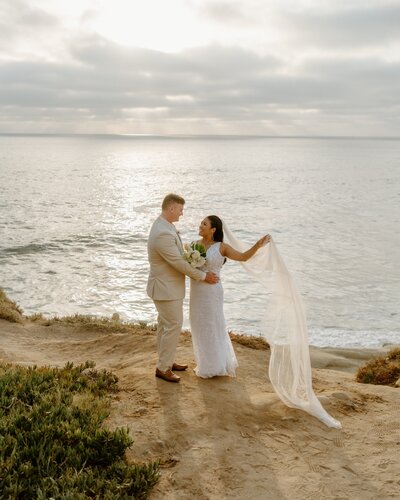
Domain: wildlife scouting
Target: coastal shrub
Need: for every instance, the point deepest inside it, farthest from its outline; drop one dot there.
(9, 310)
(382, 370)
(103, 324)
(253, 342)
(53, 443)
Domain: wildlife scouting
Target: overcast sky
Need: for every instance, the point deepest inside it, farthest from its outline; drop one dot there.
(279, 67)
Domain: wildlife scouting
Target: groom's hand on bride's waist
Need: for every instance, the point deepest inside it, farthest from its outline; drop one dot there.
(211, 278)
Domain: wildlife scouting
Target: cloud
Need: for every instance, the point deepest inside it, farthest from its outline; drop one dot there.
(23, 24)
(25, 16)
(297, 25)
(98, 85)
(105, 81)
(224, 12)
(352, 26)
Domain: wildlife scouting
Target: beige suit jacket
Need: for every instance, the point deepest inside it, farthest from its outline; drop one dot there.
(167, 267)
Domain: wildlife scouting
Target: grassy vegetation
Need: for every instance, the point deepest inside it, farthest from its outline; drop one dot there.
(383, 370)
(253, 342)
(9, 309)
(86, 322)
(258, 343)
(52, 442)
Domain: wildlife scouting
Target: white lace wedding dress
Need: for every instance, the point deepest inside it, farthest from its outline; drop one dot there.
(212, 346)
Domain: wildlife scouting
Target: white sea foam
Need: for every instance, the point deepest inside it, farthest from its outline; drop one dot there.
(333, 337)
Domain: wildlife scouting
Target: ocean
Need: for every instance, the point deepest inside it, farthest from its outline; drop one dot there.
(75, 212)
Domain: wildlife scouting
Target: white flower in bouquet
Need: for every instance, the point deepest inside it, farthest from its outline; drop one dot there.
(194, 254)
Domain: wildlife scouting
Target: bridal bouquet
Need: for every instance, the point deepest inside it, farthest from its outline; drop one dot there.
(194, 254)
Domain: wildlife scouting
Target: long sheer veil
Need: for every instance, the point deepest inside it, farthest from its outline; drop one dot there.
(284, 327)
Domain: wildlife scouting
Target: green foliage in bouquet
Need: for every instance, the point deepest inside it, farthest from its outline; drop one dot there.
(200, 248)
(52, 442)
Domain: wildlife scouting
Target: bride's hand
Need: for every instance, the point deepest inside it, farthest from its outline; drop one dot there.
(263, 241)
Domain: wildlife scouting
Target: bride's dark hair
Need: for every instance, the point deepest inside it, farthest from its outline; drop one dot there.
(216, 223)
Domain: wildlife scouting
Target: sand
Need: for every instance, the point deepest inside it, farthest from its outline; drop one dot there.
(227, 438)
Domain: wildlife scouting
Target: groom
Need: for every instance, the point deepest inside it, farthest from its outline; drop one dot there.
(166, 283)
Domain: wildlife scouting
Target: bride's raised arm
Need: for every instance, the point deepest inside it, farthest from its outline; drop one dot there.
(230, 253)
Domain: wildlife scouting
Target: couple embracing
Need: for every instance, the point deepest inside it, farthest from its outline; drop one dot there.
(284, 325)
(213, 349)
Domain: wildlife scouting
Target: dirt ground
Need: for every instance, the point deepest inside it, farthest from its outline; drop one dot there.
(232, 438)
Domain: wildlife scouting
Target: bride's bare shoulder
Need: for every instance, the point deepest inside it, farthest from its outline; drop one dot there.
(223, 248)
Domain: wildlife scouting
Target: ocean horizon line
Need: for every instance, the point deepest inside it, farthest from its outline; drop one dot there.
(196, 136)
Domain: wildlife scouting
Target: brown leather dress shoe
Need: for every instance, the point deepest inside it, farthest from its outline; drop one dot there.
(168, 375)
(179, 368)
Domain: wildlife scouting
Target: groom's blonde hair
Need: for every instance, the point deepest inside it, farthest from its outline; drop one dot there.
(170, 199)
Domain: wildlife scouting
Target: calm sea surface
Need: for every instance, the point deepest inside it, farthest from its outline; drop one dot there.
(75, 213)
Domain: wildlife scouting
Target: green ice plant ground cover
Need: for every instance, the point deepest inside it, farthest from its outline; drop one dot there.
(53, 443)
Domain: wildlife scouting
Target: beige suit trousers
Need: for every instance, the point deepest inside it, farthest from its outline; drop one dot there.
(170, 319)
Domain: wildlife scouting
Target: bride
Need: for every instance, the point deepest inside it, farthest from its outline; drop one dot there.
(212, 346)
(284, 324)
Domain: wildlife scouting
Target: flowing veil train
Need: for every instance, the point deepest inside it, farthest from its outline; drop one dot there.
(285, 329)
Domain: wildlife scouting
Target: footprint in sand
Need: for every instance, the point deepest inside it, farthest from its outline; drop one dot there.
(338, 441)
